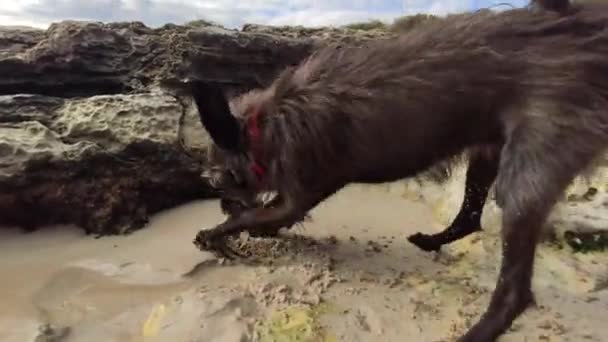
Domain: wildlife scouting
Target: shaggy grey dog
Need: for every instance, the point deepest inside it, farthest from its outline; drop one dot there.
(523, 92)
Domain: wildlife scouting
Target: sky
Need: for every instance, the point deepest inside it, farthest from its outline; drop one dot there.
(230, 13)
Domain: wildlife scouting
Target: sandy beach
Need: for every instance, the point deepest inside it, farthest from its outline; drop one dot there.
(348, 274)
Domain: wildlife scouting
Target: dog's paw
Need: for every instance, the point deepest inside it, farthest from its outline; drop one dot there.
(425, 242)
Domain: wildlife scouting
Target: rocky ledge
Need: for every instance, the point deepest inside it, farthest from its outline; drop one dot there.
(90, 135)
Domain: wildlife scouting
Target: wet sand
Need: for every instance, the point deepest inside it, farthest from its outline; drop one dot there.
(347, 275)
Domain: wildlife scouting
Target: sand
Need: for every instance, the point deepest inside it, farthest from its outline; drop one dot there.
(348, 274)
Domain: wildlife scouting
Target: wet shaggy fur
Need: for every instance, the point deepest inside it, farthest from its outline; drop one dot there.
(523, 92)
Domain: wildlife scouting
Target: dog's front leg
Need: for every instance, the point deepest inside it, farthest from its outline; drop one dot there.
(235, 208)
(259, 220)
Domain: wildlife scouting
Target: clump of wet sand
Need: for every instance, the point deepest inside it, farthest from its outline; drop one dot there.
(264, 250)
(302, 268)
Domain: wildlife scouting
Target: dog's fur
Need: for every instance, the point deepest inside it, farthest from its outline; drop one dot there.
(524, 92)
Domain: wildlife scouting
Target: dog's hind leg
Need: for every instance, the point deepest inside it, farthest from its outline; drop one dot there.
(481, 173)
(540, 158)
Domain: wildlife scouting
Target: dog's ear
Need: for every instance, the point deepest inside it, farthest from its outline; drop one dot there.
(215, 115)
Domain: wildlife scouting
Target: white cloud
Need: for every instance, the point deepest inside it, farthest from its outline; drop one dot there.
(317, 17)
(231, 13)
(437, 7)
(12, 20)
(333, 12)
(443, 7)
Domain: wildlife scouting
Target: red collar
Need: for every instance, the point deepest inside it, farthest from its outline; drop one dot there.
(254, 133)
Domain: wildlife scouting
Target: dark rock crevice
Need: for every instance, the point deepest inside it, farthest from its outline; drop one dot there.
(103, 194)
(66, 90)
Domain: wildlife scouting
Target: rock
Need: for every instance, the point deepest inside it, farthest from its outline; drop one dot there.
(74, 58)
(321, 35)
(16, 40)
(241, 60)
(104, 163)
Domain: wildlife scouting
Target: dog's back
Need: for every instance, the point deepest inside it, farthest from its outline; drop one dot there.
(451, 84)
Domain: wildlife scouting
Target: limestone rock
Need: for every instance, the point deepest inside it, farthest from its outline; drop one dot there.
(103, 163)
(321, 35)
(15, 40)
(74, 58)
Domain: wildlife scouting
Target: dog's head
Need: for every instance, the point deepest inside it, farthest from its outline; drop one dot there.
(232, 168)
(228, 174)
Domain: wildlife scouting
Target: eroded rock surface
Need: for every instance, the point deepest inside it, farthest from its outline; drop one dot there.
(103, 162)
(89, 58)
(320, 35)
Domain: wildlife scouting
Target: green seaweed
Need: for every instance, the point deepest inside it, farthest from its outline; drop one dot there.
(294, 324)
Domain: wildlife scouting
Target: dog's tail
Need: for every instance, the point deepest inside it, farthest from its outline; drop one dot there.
(560, 6)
